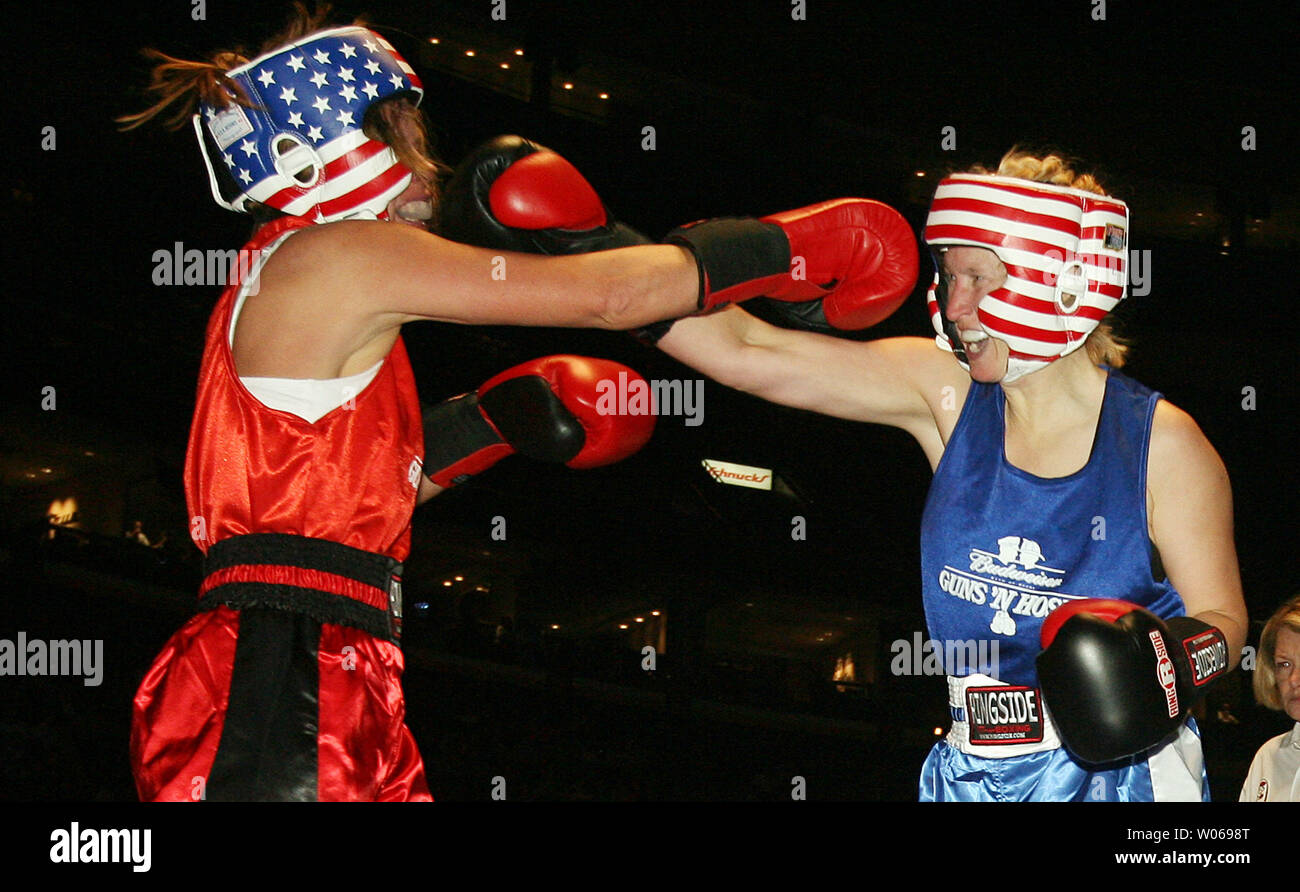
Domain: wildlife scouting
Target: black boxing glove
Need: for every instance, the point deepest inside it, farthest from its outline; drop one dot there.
(513, 194)
(1117, 679)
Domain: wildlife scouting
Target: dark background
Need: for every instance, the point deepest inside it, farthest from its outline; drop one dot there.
(753, 112)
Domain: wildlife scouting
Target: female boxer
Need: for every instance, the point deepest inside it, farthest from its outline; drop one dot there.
(307, 453)
(1057, 479)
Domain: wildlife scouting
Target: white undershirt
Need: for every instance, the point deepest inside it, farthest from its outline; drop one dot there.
(309, 398)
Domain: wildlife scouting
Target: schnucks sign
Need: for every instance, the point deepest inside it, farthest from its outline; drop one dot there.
(739, 475)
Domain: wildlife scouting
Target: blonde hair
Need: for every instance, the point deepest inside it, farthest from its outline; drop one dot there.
(1265, 681)
(178, 85)
(1105, 346)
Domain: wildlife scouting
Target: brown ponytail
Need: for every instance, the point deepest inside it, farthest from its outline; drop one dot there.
(179, 84)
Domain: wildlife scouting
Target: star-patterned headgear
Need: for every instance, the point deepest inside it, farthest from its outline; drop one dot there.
(1066, 256)
(300, 148)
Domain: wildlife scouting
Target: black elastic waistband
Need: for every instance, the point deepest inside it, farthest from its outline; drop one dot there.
(283, 572)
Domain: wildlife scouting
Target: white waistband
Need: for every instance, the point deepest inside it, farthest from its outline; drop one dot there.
(1014, 722)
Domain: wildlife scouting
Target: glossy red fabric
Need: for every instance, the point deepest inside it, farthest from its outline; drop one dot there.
(350, 477)
(364, 750)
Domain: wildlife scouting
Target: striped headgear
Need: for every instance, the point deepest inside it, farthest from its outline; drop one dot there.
(1065, 251)
(300, 148)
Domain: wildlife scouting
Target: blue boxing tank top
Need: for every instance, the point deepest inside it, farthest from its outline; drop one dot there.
(1001, 548)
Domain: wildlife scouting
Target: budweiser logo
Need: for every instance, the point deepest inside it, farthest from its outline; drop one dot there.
(987, 564)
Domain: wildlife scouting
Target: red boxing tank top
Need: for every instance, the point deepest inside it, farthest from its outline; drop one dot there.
(350, 477)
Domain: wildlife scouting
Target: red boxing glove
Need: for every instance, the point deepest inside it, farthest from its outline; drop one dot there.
(1118, 680)
(836, 266)
(857, 257)
(550, 409)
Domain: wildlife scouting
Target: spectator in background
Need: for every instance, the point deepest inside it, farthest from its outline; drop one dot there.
(137, 533)
(1273, 775)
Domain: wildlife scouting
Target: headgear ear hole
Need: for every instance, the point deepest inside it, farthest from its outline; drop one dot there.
(294, 158)
(1071, 285)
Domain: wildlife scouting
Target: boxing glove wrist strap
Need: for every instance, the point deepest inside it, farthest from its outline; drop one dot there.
(1204, 653)
(737, 257)
(466, 435)
(650, 335)
(458, 441)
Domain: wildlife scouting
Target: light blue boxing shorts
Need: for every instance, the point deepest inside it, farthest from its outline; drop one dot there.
(1003, 747)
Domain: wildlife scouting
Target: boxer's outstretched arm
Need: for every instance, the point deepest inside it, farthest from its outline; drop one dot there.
(397, 274)
(900, 382)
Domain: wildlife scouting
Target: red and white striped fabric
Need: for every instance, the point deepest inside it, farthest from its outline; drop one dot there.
(1065, 251)
(299, 147)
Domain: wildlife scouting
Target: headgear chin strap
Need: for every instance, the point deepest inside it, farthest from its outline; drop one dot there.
(1065, 251)
(300, 148)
